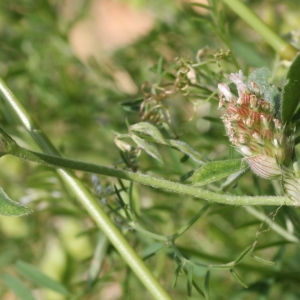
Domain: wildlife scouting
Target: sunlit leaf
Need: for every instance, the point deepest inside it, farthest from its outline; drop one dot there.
(36, 276)
(9, 207)
(291, 91)
(216, 170)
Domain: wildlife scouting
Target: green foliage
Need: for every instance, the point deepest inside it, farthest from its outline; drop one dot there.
(291, 92)
(168, 127)
(40, 279)
(11, 208)
(216, 170)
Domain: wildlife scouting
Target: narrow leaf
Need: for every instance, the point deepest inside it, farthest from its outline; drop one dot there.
(146, 146)
(152, 249)
(39, 278)
(206, 284)
(9, 207)
(15, 285)
(238, 279)
(188, 150)
(263, 261)
(216, 170)
(98, 258)
(291, 91)
(175, 276)
(189, 281)
(132, 106)
(245, 253)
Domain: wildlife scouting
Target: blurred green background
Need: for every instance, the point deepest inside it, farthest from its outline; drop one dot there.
(72, 64)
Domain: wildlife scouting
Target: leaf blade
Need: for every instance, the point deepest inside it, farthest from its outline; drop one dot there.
(39, 278)
(11, 208)
(216, 170)
(291, 91)
(17, 287)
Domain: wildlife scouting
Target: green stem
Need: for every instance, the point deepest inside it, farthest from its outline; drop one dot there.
(284, 49)
(59, 162)
(89, 202)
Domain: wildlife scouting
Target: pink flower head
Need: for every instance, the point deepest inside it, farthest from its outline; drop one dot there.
(253, 129)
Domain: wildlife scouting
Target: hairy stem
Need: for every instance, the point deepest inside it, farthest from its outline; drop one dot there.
(59, 162)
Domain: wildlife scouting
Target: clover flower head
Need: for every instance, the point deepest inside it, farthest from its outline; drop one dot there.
(253, 129)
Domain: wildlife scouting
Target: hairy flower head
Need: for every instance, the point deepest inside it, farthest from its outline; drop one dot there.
(253, 128)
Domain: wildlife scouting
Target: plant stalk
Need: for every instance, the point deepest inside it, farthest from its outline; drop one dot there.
(60, 162)
(284, 49)
(87, 200)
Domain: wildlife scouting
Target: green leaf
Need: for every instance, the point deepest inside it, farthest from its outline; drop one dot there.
(9, 207)
(291, 185)
(245, 253)
(216, 170)
(175, 276)
(188, 150)
(238, 279)
(261, 78)
(146, 146)
(132, 106)
(189, 280)
(97, 260)
(149, 130)
(152, 249)
(291, 91)
(39, 278)
(206, 284)
(263, 261)
(15, 285)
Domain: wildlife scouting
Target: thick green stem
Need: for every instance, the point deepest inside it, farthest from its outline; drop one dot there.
(89, 202)
(59, 162)
(284, 49)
